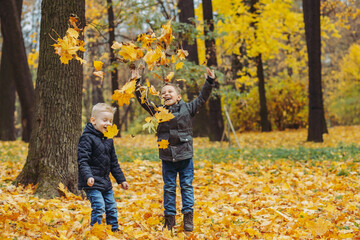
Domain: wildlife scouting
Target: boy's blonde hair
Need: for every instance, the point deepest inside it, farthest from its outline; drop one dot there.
(175, 86)
(102, 107)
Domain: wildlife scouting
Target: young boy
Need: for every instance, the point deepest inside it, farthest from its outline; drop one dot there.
(96, 160)
(177, 158)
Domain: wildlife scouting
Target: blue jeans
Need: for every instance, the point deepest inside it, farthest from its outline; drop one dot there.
(103, 202)
(185, 169)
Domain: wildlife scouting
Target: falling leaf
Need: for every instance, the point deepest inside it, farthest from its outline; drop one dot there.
(182, 54)
(116, 45)
(112, 131)
(131, 52)
(68, 46)
(124, 95)
(166, 33)
(163, 144)
(163, 115)
(98, 65)
(179, 65)
(169, 77)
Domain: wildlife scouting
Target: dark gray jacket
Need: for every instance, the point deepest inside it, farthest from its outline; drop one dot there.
(178, 131)
(97, 159)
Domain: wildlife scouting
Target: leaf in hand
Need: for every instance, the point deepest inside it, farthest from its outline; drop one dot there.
(112, 131)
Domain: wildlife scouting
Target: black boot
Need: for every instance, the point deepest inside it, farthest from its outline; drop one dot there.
(188, 222)
(169, 222)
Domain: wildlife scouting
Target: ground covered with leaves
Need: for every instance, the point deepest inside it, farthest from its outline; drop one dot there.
(277, 186)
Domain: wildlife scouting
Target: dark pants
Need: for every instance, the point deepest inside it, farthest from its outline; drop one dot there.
(103, 202)
(185, 169)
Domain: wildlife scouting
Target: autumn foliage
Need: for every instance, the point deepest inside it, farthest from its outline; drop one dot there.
(240, 199)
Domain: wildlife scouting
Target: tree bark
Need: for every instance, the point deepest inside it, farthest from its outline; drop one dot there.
(114, 72)
(215, 111)
(187, 12)
(52, 156)
(200, 121)
(317, 124)
(13, 40)
(7, 97)
(264, 121)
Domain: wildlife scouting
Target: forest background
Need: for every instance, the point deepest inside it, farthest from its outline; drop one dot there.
(276, 185)
(279, 38)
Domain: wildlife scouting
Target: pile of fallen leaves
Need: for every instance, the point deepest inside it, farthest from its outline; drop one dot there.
(278, 199)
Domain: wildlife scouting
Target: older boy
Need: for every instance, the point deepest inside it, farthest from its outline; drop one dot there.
(177, 158)
(96, 160)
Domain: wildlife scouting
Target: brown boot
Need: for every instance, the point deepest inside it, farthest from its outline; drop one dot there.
(169, 222)
(188, 222)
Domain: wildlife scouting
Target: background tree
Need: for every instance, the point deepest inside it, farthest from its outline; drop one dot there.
(215, 112)
(15, 58)
(264, 120)
(52, 156)
(188, 42)
(317, 124)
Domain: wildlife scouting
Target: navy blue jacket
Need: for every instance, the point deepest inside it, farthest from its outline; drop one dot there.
(97, 159)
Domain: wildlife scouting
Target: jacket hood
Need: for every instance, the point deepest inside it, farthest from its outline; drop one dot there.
(90, 129)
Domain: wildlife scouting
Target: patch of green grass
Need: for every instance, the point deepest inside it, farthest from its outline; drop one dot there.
(216, 155)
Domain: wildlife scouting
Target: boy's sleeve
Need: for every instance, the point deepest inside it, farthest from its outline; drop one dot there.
(115, 167)
(148, 106)
(195, 105)
(84, 152)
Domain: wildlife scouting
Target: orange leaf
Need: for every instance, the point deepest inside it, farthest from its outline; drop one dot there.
(163, 144)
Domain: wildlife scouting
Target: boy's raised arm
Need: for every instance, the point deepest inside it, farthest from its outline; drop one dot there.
(147, 105)
(195, 105)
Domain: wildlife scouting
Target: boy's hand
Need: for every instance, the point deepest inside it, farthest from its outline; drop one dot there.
(124, 185)
(210, 73)
(90, 181)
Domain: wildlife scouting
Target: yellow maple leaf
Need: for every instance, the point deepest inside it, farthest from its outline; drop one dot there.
(146, 40)
(166, 33)
(152, 56)
(163, 115)
(169, 77)
(98, 65)
(131, 52)
(182, 54)
(179, 65)
(112, 131)
(163, 144)
(124, 95)
(68, 46)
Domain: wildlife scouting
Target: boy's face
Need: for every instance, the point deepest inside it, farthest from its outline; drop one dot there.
(101, 120)
(170, 95)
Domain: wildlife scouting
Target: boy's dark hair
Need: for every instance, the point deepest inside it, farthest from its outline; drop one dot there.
(174, 85)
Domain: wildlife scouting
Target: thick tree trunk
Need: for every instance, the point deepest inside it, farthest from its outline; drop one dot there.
(14, 42)
(114, 72)
(7, 89)
(187, 12)
(200, 121)
(52, 156)
(264, 121)
(317, 124)
(215, 112)
(7, 98)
